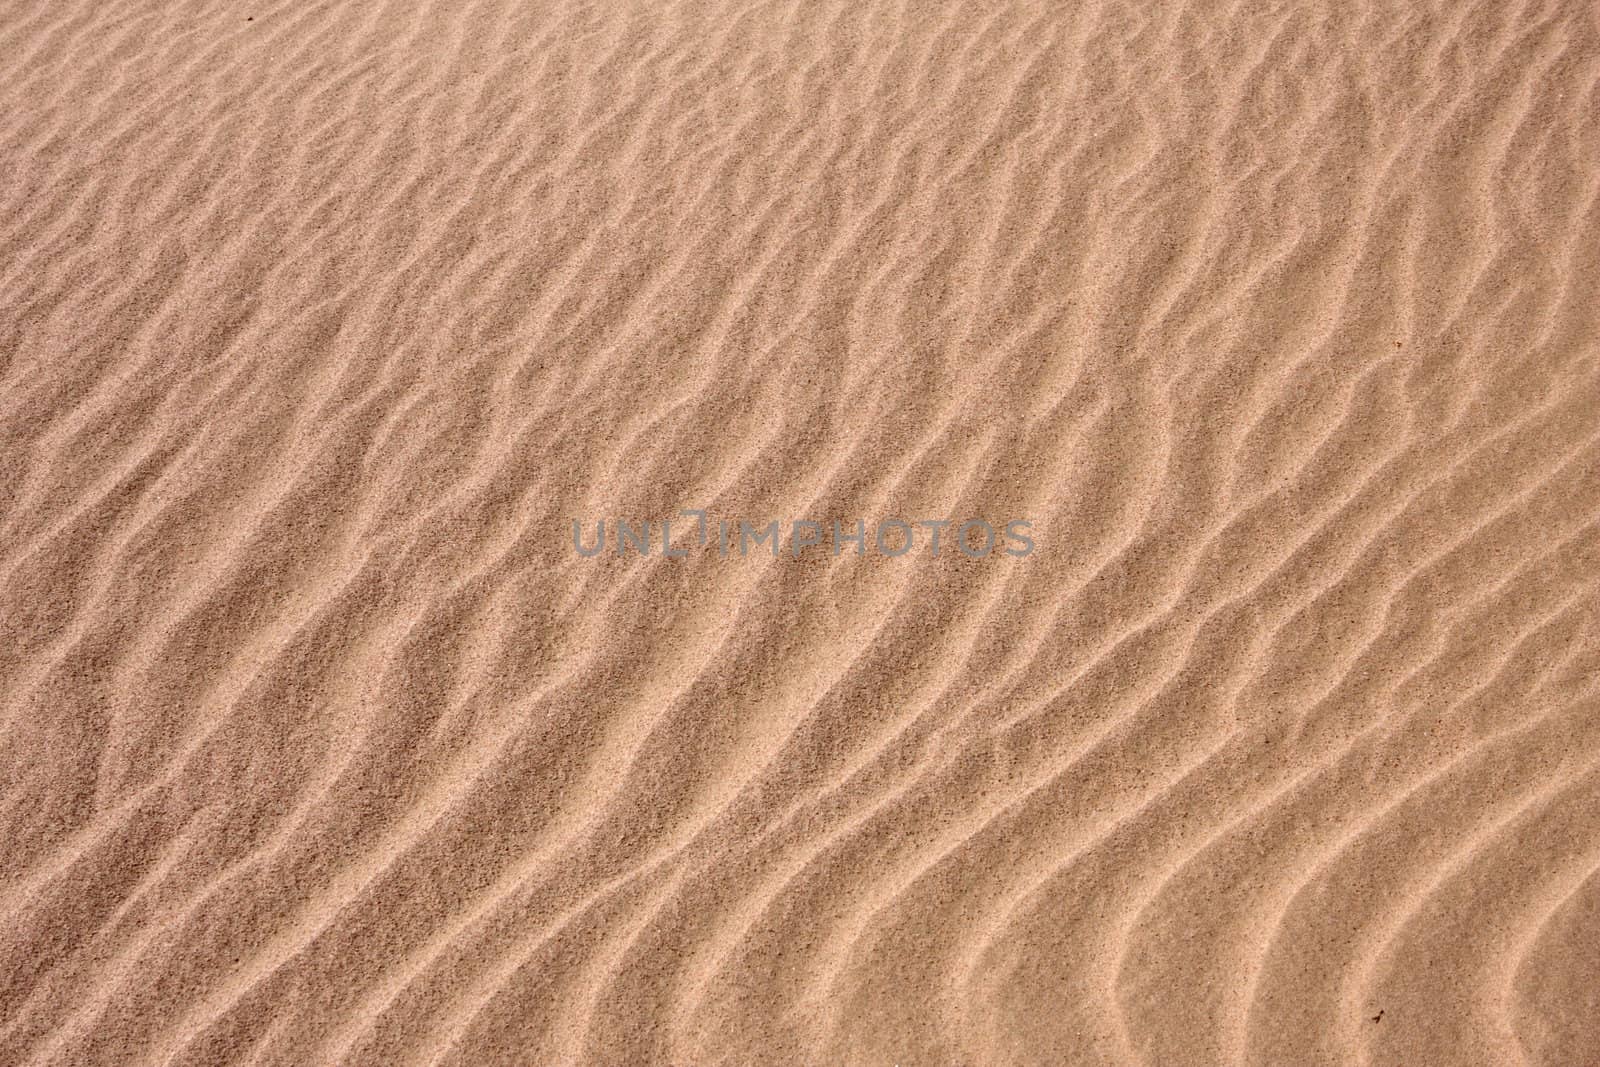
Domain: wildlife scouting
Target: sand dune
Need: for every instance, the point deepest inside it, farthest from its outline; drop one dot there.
(322, 324)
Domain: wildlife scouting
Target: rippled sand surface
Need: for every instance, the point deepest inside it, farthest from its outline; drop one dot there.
(321, 323)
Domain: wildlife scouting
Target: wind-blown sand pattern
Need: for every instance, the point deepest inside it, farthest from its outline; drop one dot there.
(320, 323)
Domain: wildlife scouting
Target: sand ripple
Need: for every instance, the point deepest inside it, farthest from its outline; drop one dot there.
(320, 323)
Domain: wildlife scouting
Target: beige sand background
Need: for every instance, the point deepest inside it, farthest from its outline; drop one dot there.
(320, 322)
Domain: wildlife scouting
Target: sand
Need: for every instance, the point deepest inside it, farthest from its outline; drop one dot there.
(323, 324)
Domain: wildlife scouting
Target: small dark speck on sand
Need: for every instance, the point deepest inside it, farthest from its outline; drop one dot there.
(1378, 1017)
